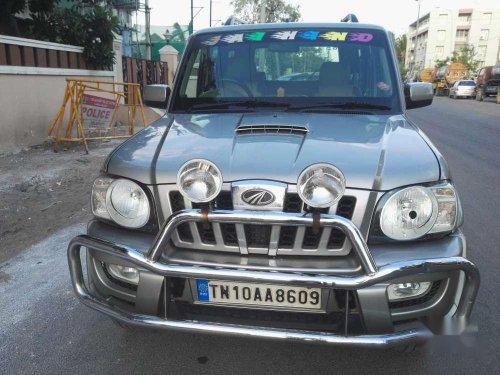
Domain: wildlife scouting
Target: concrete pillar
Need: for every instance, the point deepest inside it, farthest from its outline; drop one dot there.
(170, 55)
(117, 67)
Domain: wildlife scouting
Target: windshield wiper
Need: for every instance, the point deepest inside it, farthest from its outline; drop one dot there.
(344, 105)
(227, 105)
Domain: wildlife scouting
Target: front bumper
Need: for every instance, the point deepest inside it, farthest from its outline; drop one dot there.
(454, 324)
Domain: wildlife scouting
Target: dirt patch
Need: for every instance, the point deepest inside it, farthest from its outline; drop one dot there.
(42, 192)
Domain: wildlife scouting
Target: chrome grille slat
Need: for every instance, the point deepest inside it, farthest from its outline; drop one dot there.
(299, 239)
(242, 239)
(273, 243)
(325, 236)
(221, 237)
(218, 234)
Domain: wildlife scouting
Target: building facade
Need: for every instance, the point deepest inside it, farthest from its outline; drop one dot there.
(442, 31)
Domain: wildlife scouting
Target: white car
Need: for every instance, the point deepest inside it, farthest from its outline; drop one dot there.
(462, 88)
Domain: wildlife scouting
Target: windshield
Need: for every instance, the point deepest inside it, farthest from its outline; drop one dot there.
(293, 68)
(467, 83)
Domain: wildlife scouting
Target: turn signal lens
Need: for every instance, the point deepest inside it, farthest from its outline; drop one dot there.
(98, 199)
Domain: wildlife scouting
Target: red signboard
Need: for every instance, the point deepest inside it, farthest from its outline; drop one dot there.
(96, 111)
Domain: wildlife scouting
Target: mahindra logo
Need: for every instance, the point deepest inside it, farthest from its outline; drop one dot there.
(257, 197)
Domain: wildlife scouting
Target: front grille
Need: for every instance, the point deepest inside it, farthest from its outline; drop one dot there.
(333, 322)
(291, 240)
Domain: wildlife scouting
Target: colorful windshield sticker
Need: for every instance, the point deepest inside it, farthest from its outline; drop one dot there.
(307, 35)
(255, 37)
(360, 37)
(285, 35)
(334, 36)
(233, 38)
(212, 41)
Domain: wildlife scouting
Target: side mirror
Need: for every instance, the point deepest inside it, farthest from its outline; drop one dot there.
(418, 94)
(156, 95)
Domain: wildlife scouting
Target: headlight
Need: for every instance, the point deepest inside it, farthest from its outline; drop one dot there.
(199, 180)
(321, 185)
(122, 201)
(413, 212)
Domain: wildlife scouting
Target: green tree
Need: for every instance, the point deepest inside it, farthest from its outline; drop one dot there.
(443, 62)
(466, 56)
(178, 33)
(403, 71)
(400, 44)
(276, 11)
(8, 10)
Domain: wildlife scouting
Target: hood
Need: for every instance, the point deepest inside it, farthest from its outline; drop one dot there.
(373, 152)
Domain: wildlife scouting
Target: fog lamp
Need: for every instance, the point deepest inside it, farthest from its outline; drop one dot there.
(124, 273)
(407, 290)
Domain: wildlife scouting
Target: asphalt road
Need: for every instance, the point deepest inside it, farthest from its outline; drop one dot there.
(43, 329)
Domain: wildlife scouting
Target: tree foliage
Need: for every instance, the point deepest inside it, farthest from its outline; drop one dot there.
(276, 11)
(87, 23)
(466, 56)
(400, 44)
(441, 63)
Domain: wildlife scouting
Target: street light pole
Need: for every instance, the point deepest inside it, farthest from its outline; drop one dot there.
(416, 36)
(147, 14)
(210, 23)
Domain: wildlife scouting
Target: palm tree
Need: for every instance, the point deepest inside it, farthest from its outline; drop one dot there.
(178, 33)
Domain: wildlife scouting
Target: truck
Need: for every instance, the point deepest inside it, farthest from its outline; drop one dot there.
(312, 210)
(488, 81)
(427, 75)
(447, 75)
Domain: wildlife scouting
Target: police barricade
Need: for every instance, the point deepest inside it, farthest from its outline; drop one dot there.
(89, 111)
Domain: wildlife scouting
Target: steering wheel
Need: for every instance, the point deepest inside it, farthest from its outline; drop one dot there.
(240, 87)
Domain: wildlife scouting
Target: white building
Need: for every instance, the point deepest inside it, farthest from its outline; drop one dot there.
(442, 31)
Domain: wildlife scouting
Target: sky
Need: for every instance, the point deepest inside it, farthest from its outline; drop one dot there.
(394, 15)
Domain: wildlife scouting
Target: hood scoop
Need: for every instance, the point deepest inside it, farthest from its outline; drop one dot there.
(272, 129)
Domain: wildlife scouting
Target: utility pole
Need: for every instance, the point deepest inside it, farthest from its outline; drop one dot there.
(210, 23)
(147, 14)
(263, 11)
(192, 16)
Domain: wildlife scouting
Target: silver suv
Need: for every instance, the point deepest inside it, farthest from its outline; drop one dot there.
(308, 210)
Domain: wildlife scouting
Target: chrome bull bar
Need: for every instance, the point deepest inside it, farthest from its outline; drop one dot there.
(373, 275)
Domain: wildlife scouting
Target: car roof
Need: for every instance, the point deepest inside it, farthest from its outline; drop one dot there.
(288, 26)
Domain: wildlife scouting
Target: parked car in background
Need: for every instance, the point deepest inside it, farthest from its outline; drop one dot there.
(463, 89)
(487, 81)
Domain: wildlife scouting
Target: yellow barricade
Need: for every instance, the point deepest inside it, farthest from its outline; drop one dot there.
(92, 117)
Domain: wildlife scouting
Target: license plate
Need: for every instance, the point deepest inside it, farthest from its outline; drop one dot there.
(249, 294)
